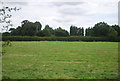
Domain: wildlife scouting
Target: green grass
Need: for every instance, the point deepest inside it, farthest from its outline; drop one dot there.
(61, 60)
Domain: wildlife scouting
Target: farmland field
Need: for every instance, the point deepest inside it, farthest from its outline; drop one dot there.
(61, 60)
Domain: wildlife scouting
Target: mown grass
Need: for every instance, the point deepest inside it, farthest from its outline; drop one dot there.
(61, 60)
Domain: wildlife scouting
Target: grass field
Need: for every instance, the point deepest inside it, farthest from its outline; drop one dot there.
(61, 60)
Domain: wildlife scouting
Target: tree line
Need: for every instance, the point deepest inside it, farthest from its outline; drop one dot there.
(28, 28)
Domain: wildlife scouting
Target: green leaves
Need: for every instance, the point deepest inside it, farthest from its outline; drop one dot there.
(61, 32)
(74, 31)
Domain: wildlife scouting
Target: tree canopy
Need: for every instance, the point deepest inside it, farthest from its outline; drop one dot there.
(28, 28)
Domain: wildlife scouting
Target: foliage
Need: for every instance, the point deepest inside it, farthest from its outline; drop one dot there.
(61, 32)
(5, 22)
(53, 38)
(101, 29)
(104, 30)
(48, 31)
(6, 43)
(5, 15)
(117, 28)
(74, 31)
(27, 29)
(112, 34)
(6, 34)
(89, 32)
(40, 33)
(16, 32)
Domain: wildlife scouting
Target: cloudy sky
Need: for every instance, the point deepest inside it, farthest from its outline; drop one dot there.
(64, 13)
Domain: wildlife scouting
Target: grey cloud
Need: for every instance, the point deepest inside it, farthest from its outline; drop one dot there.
(59, 4)
(70, 8)
(73, 11)
(67, 3)
(17, 3)
(119, 13)
(62, 20)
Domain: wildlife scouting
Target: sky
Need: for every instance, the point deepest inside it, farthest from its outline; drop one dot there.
(64, 13)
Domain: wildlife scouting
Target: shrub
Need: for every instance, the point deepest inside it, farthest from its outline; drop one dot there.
(72, 38)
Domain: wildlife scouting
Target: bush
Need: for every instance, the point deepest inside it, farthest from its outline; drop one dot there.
(112, 35)
(6, 34)
(40, 33)
(72, 38)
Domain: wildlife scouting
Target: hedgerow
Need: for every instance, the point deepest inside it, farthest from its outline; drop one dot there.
(69, 38)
